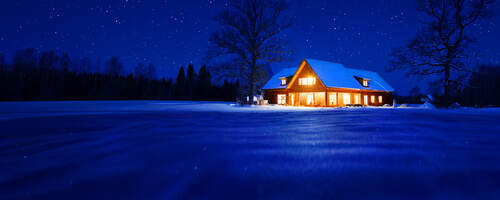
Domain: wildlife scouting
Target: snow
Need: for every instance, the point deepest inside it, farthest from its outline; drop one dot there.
(275, 82)
(428, 105)
(335, 75)
(216, 150)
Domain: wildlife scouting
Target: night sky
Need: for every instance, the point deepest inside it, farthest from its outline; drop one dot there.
(168, 33)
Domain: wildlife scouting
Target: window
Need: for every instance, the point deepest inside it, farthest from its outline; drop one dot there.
(332, 99)
(283, 81)
(282, 99)
(379, 99)
(373, 99)
(365, 99)
(346, 98)
(292, 99)
(365, 83)
(307, 81)
(310, 99)
(356, 99)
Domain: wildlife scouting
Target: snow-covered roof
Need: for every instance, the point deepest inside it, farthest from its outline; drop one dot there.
(275, 82)
(335, 75)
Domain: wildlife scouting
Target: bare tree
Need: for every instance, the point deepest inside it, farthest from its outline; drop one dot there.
(114, 67)
(85, 65)
(140, 70)
(65, 62)
(25, 59)
(250, 39)
(444, 45)
(147, 72)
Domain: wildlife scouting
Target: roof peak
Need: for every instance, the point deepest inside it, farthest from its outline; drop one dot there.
(340, 64)
(333, 75)
(317, 60)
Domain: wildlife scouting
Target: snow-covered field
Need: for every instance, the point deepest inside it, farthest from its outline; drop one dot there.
(195, 150)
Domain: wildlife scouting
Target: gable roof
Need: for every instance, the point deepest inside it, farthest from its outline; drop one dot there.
(335, 75)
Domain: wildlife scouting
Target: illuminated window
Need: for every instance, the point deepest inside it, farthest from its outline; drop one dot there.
(373, 99)
(310, 99)
(292, 99)
(365, 99)
(307, 81)
(346, 98)
(379, 99)
(365, 83)
(283, 81)
(356, 99)
(281, 99)
(332, 99)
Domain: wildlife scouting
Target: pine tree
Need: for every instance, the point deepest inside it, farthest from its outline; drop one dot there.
(180, 84)
(140, 70)
(190, 82)
(65, 62)
(204, 84)
(114, 67)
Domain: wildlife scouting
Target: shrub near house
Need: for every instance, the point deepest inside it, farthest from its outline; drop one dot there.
(322, 83)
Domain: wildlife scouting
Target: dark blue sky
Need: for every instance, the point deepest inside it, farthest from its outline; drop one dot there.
(170, 33)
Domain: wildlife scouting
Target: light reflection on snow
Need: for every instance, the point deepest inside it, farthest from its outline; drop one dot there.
(192, 150)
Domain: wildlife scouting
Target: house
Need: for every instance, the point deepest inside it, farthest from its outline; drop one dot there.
(327, 84)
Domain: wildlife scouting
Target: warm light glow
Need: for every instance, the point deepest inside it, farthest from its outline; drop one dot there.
(346, 98)
(356, 99)
(307, 81)
(332, 99)
(282, 99)
(365, 83)
(373, 99)
(283, 81)
(310, 99)
(292, 99)
(380, 99)
(365, 99)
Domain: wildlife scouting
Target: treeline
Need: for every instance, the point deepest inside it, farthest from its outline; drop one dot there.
(481, 88)
(52, 76)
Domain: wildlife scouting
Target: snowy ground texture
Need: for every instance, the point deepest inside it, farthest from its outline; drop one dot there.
(194, 150)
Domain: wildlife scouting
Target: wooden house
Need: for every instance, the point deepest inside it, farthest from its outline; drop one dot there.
(326, 84)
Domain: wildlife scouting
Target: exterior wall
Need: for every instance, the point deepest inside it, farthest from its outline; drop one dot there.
(272, 96)
(386, 98)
